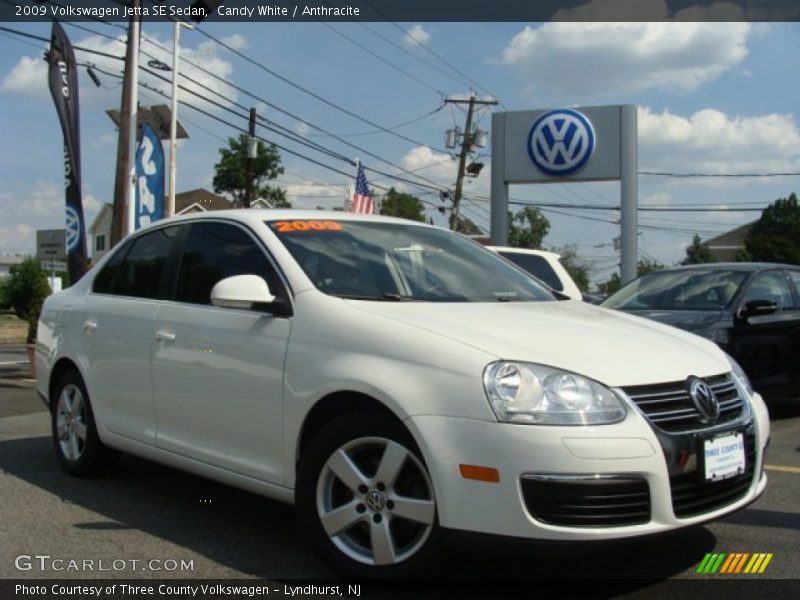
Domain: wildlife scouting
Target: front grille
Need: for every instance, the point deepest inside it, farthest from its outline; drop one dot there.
(691, 496)
(669, 406)
(601, 502)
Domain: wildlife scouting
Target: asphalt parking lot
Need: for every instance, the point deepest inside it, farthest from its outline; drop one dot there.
(144, 512)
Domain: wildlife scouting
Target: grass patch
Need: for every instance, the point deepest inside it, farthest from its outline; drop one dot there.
(12, 330)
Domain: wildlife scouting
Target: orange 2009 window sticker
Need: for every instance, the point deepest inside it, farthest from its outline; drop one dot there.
(293, 226)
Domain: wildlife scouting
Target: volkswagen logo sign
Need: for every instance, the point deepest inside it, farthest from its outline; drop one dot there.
(73, 229)
(561, 142)
(704, 398)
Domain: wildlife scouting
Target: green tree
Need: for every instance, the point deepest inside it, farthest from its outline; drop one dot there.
(230, 173)
(775, 237)
(468, 227)
(26, 290)
(405, 206)
(527, 228)
(614, 282)
(5, 303)
(576, 268)
(698, 253)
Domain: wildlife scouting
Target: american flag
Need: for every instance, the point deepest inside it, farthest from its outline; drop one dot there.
(362, 201)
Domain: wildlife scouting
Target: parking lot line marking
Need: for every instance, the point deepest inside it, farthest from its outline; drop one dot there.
(782, 468)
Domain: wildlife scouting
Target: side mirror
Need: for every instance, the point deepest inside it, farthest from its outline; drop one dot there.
(241, 291)
(755, 308)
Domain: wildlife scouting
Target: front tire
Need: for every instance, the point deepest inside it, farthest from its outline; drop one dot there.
(365, 500)
(75, 437)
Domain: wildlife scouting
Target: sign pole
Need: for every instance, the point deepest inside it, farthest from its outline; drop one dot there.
(629, 243)
(498, 220)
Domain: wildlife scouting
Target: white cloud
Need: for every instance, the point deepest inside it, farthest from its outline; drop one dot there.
(302, 128)
(602, 59)
(442, 169)
(236, 41)
(311, 194)
(709, 141)
(28, 76)
(104, 141)
(657, 199)
(39, 205)
(615, 10)
(436, 166)
(658, 10)
(416, 36)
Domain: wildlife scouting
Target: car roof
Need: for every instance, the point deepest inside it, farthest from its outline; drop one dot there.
(511, 249)
(252, 215)
(747, 267)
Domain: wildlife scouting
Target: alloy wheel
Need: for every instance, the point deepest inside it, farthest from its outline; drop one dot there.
(71, 429)
(375, 501)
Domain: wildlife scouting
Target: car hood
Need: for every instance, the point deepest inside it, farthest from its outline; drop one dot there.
(612, 347)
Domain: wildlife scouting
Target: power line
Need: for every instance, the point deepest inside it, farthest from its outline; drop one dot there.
(430, 65)
(374, 131)
(308, 92)
(291, 135)
(430, 51)
(279, 146)
(283, 111)
(687, 175)
(270, 125)
(383, 60)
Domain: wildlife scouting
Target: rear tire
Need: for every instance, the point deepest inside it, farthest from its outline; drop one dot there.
(365, 500)
(75, 437)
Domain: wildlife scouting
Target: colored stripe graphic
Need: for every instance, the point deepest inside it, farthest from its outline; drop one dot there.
(729, 563)
(740, 564)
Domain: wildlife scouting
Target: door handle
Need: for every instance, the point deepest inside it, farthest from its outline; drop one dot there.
(165, 336)
(89, 326)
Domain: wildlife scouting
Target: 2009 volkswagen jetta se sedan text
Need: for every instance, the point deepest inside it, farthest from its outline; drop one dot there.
(394, 381)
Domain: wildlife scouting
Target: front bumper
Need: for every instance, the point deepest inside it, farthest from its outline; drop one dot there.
(626, 451)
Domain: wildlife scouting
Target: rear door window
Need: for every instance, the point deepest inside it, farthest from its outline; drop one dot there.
(536, 266)
(138, 269)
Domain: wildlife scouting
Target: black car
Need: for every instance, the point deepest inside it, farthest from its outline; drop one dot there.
(752, 310)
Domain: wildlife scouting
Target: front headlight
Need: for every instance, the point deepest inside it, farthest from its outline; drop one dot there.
(740, 375)
(528, 393)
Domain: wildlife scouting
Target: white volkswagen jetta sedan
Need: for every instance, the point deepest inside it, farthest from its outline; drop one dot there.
(394, 381)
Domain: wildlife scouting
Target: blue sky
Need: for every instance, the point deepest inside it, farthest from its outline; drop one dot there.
(713, 97)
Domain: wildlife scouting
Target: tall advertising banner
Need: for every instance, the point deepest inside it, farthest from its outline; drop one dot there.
(63, 80)
(149, 179)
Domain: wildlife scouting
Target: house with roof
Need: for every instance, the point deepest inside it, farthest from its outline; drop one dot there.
(725, 246)
(6, 262)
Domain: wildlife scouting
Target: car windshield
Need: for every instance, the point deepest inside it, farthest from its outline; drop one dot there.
(390, 261)
(678, 290)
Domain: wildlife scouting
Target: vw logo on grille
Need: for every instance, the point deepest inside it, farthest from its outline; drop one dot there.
(375, 501)
(704, 398)
(561, 142)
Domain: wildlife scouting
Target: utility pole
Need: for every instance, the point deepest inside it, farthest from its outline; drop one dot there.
(468, 141)
(252, 153)
(123, 182)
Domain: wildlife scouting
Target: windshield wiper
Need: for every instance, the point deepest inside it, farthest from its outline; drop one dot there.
(398, 297)
(386, 296)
